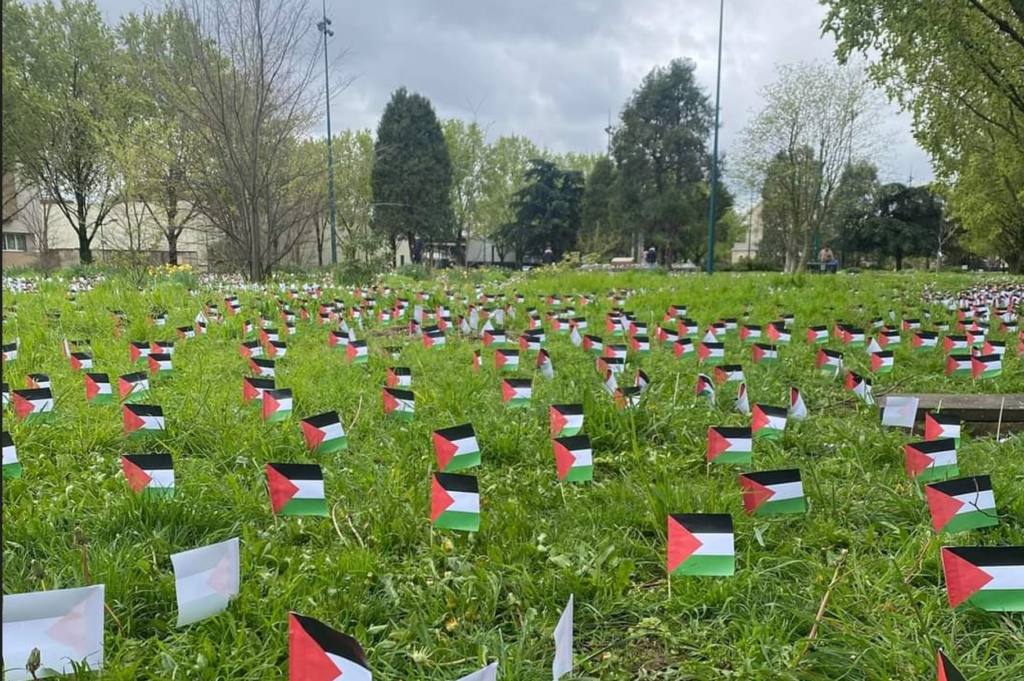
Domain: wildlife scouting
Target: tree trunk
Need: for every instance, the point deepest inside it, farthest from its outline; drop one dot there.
(172, 247)
(84, 242)
(899, 260)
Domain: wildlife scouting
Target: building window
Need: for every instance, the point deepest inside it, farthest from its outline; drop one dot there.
(15, 242)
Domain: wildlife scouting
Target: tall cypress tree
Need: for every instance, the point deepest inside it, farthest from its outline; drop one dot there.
(412, 173)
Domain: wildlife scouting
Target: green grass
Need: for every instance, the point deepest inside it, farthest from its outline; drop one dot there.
(436, 605)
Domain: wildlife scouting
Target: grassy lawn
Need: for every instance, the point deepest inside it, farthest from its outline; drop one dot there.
(437, 604)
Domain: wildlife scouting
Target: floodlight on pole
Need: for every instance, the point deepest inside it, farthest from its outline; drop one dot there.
(324, 27)
(714, 154)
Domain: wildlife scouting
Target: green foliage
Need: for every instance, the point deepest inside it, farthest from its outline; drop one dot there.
(547, 211)
(467, 149)
(412, 172)
(601, 232)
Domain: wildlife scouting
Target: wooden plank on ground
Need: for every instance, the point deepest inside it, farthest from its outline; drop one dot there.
(979, 413)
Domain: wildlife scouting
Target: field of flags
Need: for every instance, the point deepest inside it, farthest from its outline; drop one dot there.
(581, 476)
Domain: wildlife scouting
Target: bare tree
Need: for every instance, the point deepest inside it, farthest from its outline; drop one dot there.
(252, 71)
(37, 214)
(817, 119)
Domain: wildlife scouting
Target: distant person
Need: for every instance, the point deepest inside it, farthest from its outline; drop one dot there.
(650, 258)
(827, 260)
(549, 256)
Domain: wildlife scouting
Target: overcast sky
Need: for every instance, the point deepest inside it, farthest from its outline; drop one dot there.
(553, 69)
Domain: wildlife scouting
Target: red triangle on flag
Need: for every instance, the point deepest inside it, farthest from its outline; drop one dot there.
(564, 460)
(758, 354)
(307, 661)
(950, 365)
(916, 461)
(313, 435)
(132, 422)
(703, 352)
(392, 379)
(945, 670)
(390, 403)
(876, 362)
(439, 499)
(270, 405)
(977, 368)
(444, 451)
(499, 359)
(133, 352)
(717, 443)
(137, 478)
(558, 422)
(754, 494)
(154, 366)
(123, 387)
(681, 544)
(350, 352)
(92, 389)
(942, 506)
(963, 579)
(249, 393)
(281, 489)
(507, 392)
(759, 419)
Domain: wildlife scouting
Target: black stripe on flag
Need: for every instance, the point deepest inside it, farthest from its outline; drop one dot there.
(945, 418)
(260, 383)
(568, 409)
(991, 556)
(299, 471)
(452, 482)
(280, 393)
(263, 363)
(151, 462)
(705, 523)
(456, 432)
(8, 441)
(976, 483)
(399, 394)
(778, 477)
(772, 411)
(714, 346)
(322, 420)
(731, 432)
(730, 367)
(134, 377)
(946, 444)
(574, 443)
(99, 379)
(818, 329)
(142, 410)
(519, 382)
(33, 394)
(401, 371)
(331, 641)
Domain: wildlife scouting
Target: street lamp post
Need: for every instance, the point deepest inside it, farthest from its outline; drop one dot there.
(714, 155)
(323, 26)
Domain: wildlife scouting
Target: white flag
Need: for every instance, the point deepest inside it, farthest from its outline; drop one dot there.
(205, 580)
(488, 673)
(66, 626)
(899, 411)
(562, 663)
(742, 401)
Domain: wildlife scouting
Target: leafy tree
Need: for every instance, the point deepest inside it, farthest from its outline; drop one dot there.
(600, 230)
(353, 170)
(817, 119)
(467, 150)
(66, 70)
(956, 66)
(906, 222)
(412, 173)
(660, 151)
(505, 164)
(547, 211)
(789, 190)
(845, 229)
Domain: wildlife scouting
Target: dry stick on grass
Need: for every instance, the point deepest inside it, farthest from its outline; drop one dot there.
(821, 609)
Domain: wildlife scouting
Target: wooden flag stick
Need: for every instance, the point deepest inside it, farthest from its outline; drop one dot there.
(999, 423)
(821, 608)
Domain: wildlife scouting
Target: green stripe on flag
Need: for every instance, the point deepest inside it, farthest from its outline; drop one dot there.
(305, 507)
(768, 433)
(12, 470)
(462, 462)
(458, 520)
(580, 474)
(998, 600)
(972, 520)
(707, 566)
(938, 473)
(338, 444)
(518, 403)
(796, 505)
(733, 457)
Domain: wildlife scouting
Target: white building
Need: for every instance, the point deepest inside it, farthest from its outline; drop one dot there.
(746, 248)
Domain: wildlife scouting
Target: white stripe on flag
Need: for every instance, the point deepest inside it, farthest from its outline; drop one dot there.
(153, 422)
(309, 489)
(333, 431)
(715, 544)
(464, 502)
(163, 477)
(1004, 577)
(787, 490)
(976, 501)
(584, 457)
(943, 459)
(349, 670)
(466, 445)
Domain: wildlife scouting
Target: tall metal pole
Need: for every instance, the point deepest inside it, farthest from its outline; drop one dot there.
(323, 26)
(714, 156)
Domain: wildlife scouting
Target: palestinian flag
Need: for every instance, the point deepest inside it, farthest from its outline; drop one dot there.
(730, 445)
(33, 403)
(98, 389)
(911, 324)
(337, 340)
(817, 334)
(456, 448)
(773, 492)
(934, 460)
(544, 364)
(704, 388)
(627, 396)
(495, 337)
(711, 353)
(399, 377)
(641, 345)
(142, 418)
(882, 362)
(158, 347)
(574, 460)
(939, 425)
(81, 360)
(778, 333)
(677, 310)
(151, 475)
(250, 349)
(614, 364)
(318, 653)
(750, 333)
(268, 335)
(729, 373)
(742, 401)
(159, 363)
(986, 366)
(253, 388)
(593, 344)
(701, 544)
(324, 433)
(854, 337)
(296, 489)
(768, 422)
(399, 403)
(887, 338)
(476, 361)
(357, 353)
(10, 351)
(962, 504)
(566, 419)
(765, 354)
(992, 347)
(138, 350)
(615, 351)
(516, 392)
(944, 669)
(133, 386)
(455, 502)
(262, 367)
(988, 577)
(924, 340)
(12, 467)
(687, 327)
(959, 365)
(797, 408)
(956, 342)
(37, 381)
(277, 349)
(683, 347)
(277, 404)
(506, 360)
(529, 343)
(829, 362)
